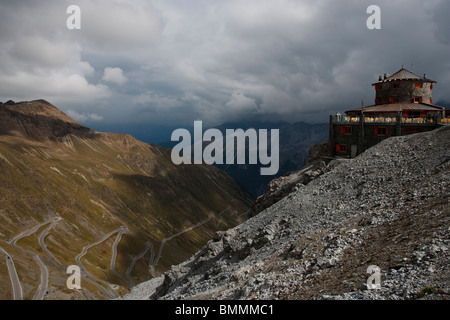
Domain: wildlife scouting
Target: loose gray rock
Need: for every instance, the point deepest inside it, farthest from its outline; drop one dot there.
(388, 207)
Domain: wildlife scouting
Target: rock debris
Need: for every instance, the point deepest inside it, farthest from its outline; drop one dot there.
(388, 207)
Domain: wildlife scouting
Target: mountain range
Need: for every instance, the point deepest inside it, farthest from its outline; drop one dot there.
(295, 140)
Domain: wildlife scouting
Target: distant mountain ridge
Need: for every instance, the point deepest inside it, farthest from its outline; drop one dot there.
(294, 142)
(114, 205)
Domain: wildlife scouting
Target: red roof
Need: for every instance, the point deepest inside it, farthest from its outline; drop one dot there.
(404, 74)
(398, 107)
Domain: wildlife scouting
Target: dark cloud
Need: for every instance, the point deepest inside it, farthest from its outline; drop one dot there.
(173, 61)
(442, 23)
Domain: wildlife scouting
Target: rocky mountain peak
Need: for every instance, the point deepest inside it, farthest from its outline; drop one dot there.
(37, 120)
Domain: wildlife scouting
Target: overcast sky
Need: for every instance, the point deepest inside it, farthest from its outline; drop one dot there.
(170, 62)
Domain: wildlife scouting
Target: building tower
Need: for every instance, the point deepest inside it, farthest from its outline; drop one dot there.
(403, 86)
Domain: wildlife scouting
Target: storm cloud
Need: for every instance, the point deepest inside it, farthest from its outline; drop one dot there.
(172, 61)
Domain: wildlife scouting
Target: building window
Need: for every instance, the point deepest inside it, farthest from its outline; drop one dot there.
(431, 87)
(418, 85)
(347, 130)
(377, 101)
(380, 131)
(341, 148)
(418, 99)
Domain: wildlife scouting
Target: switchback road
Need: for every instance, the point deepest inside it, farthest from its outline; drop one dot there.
(15, 283)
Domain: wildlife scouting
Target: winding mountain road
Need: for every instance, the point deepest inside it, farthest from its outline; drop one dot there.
(114, 255)
(212, 216)
(44, 277)
(111, 293)
(15, 282)
(43, 282)
(43, 285)
(148, 245)
(153, 261)
(17, 290)
(44, 247)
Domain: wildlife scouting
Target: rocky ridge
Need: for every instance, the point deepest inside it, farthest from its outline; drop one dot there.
(388, 207)
(316, 164)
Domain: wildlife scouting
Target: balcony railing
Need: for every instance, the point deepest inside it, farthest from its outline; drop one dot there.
(340, 118)
(354, 119)
(381, 119)
(426, 120)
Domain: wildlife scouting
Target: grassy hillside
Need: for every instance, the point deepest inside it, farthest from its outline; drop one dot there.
(50, 166)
